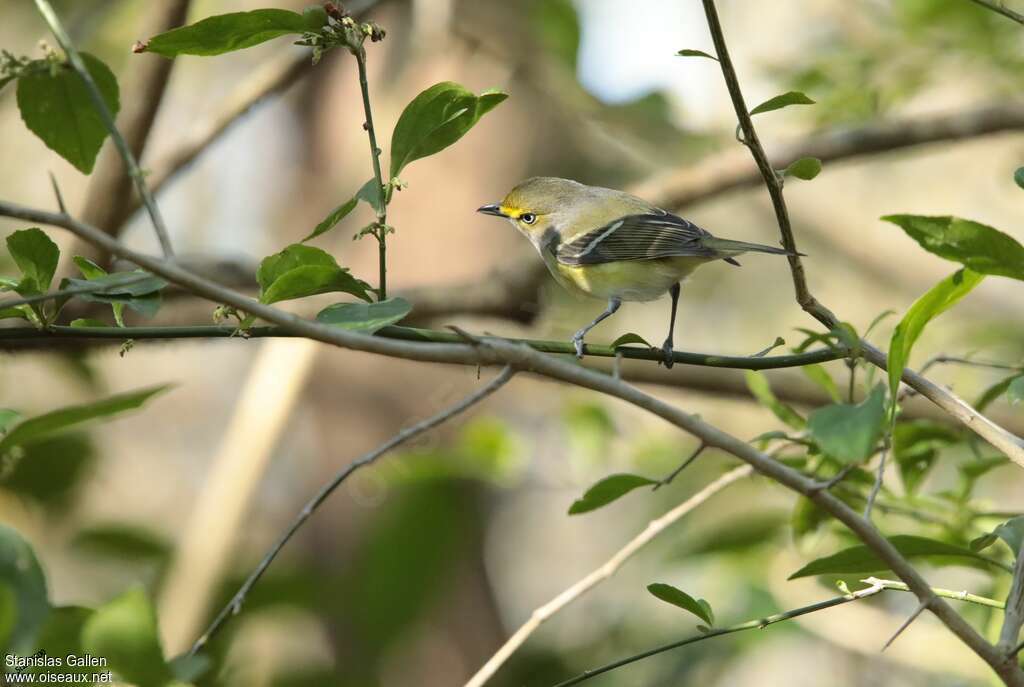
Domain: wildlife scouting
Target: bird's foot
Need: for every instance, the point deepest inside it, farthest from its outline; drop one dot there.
(577, 342)
(666, 353)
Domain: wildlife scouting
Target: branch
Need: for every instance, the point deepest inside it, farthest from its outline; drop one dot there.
(1003, 440)
(1014, 619)
(875, 586)
(382, 209)
(404, 334)
(731, 170)
(758, 624)
(520, 357)
(610, 567)
(235, 605)
(78, 65)
(998, 7)
(109, 201)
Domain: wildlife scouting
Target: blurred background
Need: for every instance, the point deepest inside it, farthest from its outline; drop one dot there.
(418, 568)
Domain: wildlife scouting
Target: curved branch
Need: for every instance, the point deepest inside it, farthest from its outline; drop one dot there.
(523, 358)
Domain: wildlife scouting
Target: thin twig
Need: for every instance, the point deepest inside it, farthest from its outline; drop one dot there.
(944, 593)
(605, 571)
(1000, 8)
(78, 65)
(500, 352)
(382, 207)
(906, 623)
(682, 466)
(758, 624)
(879, 478)
(311, 506)
(429, 335)
(1005, 441)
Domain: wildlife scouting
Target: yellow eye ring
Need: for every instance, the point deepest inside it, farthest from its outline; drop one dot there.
(527, 218)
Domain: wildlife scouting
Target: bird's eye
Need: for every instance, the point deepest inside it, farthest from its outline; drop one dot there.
(527, 218)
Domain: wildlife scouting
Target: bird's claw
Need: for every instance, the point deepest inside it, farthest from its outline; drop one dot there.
(666, 352)
(577, 342)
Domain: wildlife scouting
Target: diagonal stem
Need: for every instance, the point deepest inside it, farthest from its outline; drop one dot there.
(53, 21)
(235, 604)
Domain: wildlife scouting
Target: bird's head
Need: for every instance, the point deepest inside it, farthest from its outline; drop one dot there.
(539, 204)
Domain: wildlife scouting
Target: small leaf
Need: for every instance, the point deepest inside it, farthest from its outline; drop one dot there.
(677, 597)
(688, 52)
(976, 246)
(630, 338)
(805, 168)
(861, 559)
(370, 194)
(820, 376)
(1015, 391)
(436, 118)
(23, 579)
(995, 391)
(607, 490)
(36, 256)
(226, 32)
(336, 215)
(1018, 176)
(7, 418)
(365, 317)
(915, 447)
(88, 322)
(124, 632)
(299, 271)
(849, 433)
(780, 101)
(939, 298)
(758, 384)
(61, 636)
(1011, 532)
(121, 541)
(56, 106)
(57, 420)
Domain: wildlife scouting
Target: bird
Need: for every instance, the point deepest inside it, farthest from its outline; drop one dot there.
(612, 245)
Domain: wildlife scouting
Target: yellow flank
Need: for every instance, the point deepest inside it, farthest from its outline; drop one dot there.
(632, 280)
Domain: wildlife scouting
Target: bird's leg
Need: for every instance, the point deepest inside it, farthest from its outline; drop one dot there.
(577, 338)
(666, 348)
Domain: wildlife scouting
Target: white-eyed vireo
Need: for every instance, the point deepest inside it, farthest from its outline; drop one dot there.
(609, 244)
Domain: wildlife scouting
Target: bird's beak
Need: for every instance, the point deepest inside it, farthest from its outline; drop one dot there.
(491, 210)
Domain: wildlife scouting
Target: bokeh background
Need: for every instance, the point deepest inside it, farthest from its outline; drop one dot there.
(417, 569)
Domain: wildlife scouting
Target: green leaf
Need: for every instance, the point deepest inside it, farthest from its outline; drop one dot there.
(370, 194)
(122, 541)
(336, 215)
(299, 271)
(1018, 176)
(7, 418)
(558, 28)
(36, 256)
(50, 469)
(861, 559)
(226, 33)
(677, 597)
(39, 426)
(976, 246)
(62, 635)
(995, 391)
(781, 101)
(607, 490)
(124, 632)
(1011, 532)
(850, 433)
(915, 447)
(689, 52)
(758, 384)
(820, 376)
(365, 317)
(630, 338)
(23, 579)
(56, 106)
(1015, 391)
(436, 118)
(805, 168)
(939, 298)
(88, 322)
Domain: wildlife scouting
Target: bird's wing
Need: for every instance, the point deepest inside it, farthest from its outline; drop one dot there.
(636, 237)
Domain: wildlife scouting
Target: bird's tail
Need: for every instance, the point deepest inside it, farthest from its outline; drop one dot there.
(729, 248)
